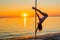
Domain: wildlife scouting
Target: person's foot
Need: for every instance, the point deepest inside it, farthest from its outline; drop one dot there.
(37, 9)
(34, 8)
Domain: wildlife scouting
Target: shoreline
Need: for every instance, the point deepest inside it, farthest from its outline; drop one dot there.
(51, 36)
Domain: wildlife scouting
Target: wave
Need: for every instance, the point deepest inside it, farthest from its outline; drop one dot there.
(4, 35)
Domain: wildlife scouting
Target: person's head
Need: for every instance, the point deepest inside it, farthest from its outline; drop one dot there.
(38, 22)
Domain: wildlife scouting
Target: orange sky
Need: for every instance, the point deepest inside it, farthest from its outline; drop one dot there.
(15, 8)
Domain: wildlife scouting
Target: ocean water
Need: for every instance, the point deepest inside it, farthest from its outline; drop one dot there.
(14, 27)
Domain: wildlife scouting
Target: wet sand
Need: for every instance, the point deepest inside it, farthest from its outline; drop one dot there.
(50, 36)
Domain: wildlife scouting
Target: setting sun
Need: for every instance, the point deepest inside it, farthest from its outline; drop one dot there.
(25, 15)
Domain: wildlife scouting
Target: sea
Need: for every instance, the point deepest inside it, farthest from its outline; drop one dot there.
(18, 27)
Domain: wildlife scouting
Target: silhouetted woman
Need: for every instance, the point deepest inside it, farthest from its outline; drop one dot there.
(40, 19)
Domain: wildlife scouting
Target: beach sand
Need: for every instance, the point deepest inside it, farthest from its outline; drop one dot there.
(49, 36)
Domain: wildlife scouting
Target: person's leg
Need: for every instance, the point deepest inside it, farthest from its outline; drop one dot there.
(38, 16)
(44, 14)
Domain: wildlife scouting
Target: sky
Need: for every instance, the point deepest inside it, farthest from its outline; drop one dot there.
(16, 8)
